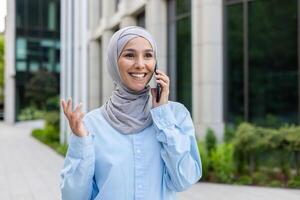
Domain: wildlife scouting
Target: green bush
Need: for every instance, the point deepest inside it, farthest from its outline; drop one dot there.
(275, 183)
(294, 183)
(260, 178)
(222, 162)
(41, 87)
(245, 180)
(52, 118)
(204, 159)
(210, 140)
(52, 104)
(51, 133)
(229, 133)
(30, 113)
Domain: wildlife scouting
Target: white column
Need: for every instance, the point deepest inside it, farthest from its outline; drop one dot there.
(63, 63)
(84, 55)
(156, 23)
(10, 72)
(107, 83)
(207, 65)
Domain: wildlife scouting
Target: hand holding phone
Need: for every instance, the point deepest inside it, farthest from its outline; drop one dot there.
(158, 87)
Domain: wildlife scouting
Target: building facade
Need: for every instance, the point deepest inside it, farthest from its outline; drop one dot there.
(189, 38)
(32, 43)
(228, 60)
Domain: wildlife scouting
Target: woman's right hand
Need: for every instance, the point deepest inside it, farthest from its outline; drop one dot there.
(74, 117)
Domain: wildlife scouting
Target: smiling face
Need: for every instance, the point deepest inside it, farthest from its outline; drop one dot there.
(136, 63)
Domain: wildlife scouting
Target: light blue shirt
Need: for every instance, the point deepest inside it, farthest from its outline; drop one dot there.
(153, 164)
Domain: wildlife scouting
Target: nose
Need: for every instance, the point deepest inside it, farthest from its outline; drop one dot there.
(140, 62)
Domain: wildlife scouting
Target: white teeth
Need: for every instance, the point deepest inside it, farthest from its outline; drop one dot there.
(138, 75)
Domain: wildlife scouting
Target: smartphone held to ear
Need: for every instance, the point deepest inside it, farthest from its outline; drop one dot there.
(158, 87)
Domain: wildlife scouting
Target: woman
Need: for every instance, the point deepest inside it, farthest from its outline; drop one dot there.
(129, 149)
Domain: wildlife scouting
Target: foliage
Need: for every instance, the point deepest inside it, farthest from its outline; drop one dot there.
(223, 163)
(52, 118)
(204, 159)
(229, 133)
(31, 113)
(41, 87)
(210, 140)
(50, 136)
(254, 156)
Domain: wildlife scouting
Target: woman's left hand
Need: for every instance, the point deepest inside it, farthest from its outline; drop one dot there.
(164, 81)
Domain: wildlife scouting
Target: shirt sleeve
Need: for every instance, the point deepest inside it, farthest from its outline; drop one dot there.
(77, 181)
(179, 146)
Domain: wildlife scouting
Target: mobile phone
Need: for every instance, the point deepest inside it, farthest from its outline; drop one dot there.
(158, 87)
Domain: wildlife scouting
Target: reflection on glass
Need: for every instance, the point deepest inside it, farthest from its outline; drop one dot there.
(235, 71)
(21, 48)
(184, 82)
(273, 60)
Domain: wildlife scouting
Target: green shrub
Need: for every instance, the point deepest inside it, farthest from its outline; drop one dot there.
(210, 140)
(52, 118)
(30, 113)
(260, 178)
(222, 162)
(294, 183)
(51, 133)
(52, 104)
(42, 86)
(229, 133)
(245, 180)
(275, 183)
(204, 159)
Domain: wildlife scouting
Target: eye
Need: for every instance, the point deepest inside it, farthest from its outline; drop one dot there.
(148, 55)
(129, 55)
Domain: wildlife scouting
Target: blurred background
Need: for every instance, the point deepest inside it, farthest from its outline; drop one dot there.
(234, 64)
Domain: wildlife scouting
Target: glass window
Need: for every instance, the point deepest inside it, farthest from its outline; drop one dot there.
(273, 69)
(33, 66)
(271, 61)
(21, 48)
(184, 79)
(21, 66)
(52, 9)
(235, 69)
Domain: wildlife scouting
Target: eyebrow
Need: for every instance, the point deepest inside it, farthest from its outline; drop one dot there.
(146, 50)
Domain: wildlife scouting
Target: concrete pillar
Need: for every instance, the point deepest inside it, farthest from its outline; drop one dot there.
(95, 74)
(107, 82)
(156, 23)
(10, 72)
(207, 72)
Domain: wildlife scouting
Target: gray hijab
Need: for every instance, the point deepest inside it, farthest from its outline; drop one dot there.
(126, 110)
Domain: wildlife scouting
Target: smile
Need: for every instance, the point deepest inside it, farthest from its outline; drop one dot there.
(138, 75)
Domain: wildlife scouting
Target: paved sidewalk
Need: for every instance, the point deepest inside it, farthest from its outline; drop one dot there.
(30, 170)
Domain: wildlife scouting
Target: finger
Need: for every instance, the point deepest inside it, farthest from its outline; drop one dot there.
(69, 106)
(64, 105)
(78, 107)
(81, 115)
(163, 84)
(163, 77)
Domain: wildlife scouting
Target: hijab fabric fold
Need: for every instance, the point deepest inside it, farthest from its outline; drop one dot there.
(126, 110)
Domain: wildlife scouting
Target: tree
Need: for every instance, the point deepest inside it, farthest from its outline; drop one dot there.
(41, 87)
